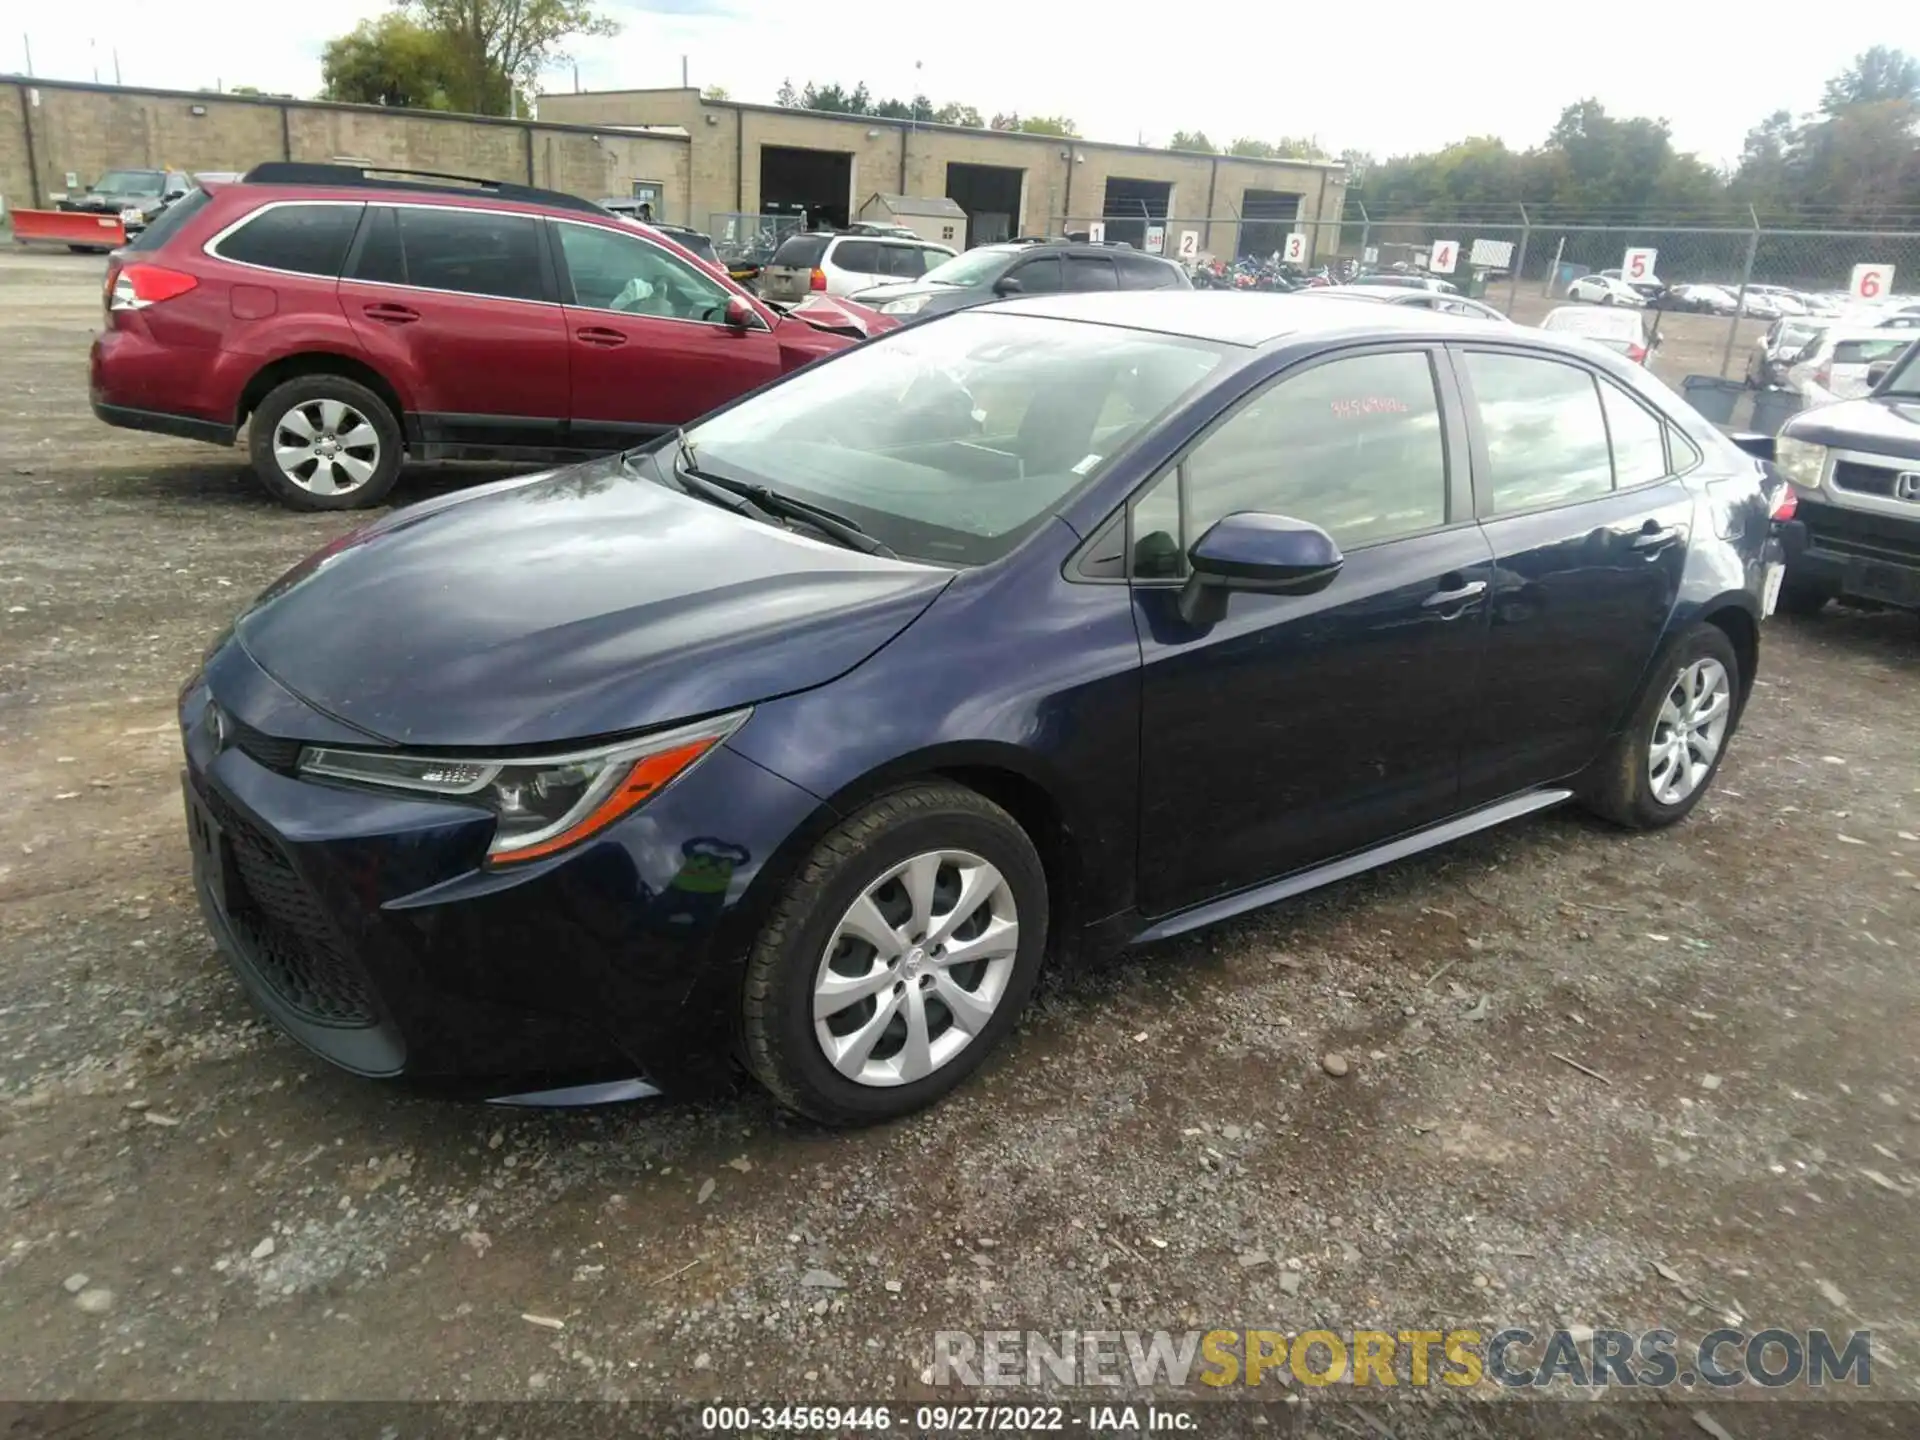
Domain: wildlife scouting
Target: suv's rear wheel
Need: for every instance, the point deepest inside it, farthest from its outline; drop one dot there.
(323, 442)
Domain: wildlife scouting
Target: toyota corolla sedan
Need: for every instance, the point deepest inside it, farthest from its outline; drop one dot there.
(803, 738)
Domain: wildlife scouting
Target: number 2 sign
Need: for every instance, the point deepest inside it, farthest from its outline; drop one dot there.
(1638, 264)
(1296, 251)
(1445, 252)
(1871, 282)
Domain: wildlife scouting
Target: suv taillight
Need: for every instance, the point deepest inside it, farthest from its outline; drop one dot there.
(1637, 354)
(817, 280)
(139, 286)
(1823, 377)
(1786, 505)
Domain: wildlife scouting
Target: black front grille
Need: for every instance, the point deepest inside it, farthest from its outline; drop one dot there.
(285, 935)
(1864, 479)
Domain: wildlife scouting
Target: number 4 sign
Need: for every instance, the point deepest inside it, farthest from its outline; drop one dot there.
(1296, 251)
(1445, 252)
(1870, 282)
(1638, 264)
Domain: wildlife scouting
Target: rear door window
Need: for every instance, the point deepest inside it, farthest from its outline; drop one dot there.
(473, 252)
(1546, 438)
(303, 239)
(1137, 272)
(1089, 272)
(1867, 352)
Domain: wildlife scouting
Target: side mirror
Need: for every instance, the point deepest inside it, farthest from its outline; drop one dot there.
(1761, 447)
(1007, 285)
(1271, 554)
(1878, 371)
(740, 314)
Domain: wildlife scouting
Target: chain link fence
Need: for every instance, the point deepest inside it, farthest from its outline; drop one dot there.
(742, 238)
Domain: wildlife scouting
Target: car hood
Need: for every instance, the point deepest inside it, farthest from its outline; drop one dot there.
(1884, 426)
(583, 602)
(841, 317)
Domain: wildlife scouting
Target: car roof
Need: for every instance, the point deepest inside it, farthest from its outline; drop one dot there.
(1594, 320)
(1234, 318)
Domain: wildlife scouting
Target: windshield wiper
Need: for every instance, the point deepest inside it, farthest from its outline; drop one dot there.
(766, 504)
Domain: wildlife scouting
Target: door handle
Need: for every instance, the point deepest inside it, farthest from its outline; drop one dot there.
(1443, 599)
(392, 314)
(600, 335)
(1652, 541)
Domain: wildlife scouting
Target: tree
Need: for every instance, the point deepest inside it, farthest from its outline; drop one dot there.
(786, 96)
(1286, 148)
(952, 114)
(1035, 124)
(837, 100)
(389, 61)
(1877, 74)
(714, 92)
(499, 47)
(1191, 140)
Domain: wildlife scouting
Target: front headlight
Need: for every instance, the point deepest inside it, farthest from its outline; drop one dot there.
(1800, 460)
(544, 803)
(906, 305)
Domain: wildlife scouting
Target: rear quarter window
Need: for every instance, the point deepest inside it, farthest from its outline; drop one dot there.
(164, 226)
(304, 239)
(858, 255)
(1867, 352)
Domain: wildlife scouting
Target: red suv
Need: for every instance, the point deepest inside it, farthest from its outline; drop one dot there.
(359, 320)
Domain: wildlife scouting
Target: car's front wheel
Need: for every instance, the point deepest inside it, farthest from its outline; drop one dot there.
(901, 952)
(1663, 762)
(324, 442)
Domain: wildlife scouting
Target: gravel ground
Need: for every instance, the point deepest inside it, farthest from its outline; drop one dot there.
(195, 1208)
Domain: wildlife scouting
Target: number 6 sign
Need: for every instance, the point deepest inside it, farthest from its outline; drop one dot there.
(1638, 264)
(1870, 282)
(1445, 252)
(1296, 251)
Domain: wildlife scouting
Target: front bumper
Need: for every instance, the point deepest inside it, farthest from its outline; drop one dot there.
(367, 927)
(1857, 554)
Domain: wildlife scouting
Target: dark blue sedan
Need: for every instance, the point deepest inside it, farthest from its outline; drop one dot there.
(803, 738)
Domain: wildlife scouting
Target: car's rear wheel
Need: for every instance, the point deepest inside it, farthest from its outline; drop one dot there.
(1660, 766)
(899, 955)
(324, 442)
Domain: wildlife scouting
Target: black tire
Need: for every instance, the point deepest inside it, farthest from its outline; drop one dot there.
(778, 1037)
(1622, 789)
(1606, 299)
(1802, 599)
(305, 390)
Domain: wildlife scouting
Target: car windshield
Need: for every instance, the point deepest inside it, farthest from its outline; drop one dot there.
(131, 182)
(976, 267)
(952, 441)
(1596, 324)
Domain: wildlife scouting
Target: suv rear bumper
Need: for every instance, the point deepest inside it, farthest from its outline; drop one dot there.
(187, 427)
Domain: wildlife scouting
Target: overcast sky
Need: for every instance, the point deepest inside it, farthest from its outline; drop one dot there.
(1414, 77)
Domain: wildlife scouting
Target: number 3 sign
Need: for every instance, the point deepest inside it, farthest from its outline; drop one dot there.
(1871, 282)
(1296, 251)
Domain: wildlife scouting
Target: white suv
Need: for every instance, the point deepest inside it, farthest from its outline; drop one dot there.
(842, 264)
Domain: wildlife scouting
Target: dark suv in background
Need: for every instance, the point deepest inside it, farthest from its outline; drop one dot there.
(350, 321)
(1024, 267)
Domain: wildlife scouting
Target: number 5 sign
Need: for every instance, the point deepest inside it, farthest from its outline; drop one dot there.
(1296, 251)
(1445, 252)
(1638, 264)
(1870, 282)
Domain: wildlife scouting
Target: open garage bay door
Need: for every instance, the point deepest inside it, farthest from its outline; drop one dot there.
(990, 194)
(1265, 218)
(1130, 204)
(814, 184)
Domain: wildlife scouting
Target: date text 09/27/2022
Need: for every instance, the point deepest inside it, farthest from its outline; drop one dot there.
(954, 1419)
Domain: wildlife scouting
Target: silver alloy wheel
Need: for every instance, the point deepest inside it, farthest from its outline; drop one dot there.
(1688, 730)
(915, 968)
(326, 447)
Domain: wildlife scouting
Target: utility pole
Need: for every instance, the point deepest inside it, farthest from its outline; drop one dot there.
(116, 64)
(26, 42)
(683, 73)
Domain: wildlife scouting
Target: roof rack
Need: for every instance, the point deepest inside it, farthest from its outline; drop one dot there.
(300, 172)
